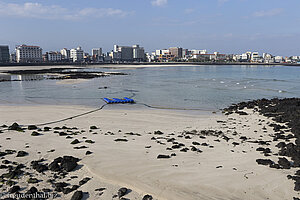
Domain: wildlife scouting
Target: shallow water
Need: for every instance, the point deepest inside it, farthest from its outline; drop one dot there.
(202, 87)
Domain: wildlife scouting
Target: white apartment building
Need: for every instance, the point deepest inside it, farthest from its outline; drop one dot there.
(25, 53)
(77, 55)
(54, 56)
(65, 53)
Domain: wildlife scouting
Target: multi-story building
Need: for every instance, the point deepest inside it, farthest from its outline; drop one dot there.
(130, 53)
(13, 57)
(4, 54)
(176, 52)
(279, 59)
(97, 55)
(126, 52)
(96, 52)
(77, 55)
(65, 54)
(54, 56)
(25, 53)
(138, 53)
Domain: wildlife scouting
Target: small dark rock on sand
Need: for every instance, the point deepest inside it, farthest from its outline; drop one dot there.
(22, 153)
(15, 127)
(161, 156)
(122, 192)
(121, 140)
(32, 127)
(78, 195)
(76, 141)
(147, 197)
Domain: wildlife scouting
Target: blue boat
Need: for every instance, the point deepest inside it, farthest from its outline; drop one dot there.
(116, 100)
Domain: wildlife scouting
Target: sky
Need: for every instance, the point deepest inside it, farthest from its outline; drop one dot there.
(226, 26)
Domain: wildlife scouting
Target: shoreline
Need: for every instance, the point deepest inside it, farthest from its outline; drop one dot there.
(144, 64)
(224, 169)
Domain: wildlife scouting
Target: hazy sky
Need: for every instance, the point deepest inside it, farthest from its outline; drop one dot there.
(227, 26)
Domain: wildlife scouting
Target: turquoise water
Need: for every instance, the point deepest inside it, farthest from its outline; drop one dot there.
(202, 87)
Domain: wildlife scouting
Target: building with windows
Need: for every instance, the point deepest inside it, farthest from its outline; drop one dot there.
(53, 56)
(138, 53)
(27, 54)
(4, 54)
(176, 52)
(65, 54)
(97, 52)
(77, 55)
(130, 53)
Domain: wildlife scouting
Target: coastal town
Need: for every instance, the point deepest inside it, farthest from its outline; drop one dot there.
(31, 54)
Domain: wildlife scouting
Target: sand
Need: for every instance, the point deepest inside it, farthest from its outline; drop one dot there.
(221, 171)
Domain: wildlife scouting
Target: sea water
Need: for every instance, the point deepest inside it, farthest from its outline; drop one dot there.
(200, 87)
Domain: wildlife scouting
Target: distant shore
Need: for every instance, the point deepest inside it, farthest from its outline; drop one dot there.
(146, 63)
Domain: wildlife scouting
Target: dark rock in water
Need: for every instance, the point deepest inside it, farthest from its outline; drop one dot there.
(22, 153)
(32, 127)
(88, 153)
(34, 133)
(93, 127)
(284, 163)
(78, 195)
(84, 181)
(264, 161)
(15, 127)
(14, 189)
(160, 156)
(76, 141)
(121, 140)
(147, 197)
(122, 192)
(158, 133)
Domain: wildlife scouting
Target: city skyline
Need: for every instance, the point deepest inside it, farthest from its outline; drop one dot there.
(227, 26)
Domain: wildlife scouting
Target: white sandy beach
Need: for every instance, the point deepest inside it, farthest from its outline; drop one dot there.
(224, 171)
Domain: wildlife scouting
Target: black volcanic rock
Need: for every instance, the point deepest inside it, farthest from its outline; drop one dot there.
(122, 192)
(14, 189)
(284, 163)
(32, 127)
(22, 153)
(161, 156)
(15, 126)
(147, 197)
(264, 161)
